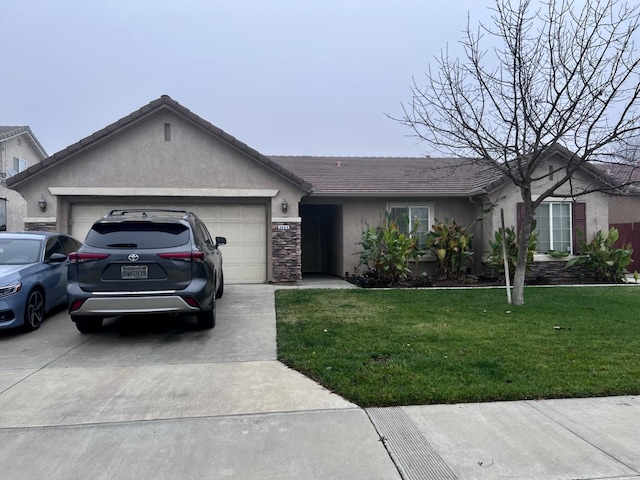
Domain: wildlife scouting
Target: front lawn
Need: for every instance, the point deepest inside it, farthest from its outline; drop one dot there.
(410, 347)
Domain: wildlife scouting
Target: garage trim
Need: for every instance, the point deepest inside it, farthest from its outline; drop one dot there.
(163, 192)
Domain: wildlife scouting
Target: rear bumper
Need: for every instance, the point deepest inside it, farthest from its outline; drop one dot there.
(198, 297)
(127, 305)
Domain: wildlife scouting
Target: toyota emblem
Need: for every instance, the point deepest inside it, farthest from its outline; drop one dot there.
(133, 257)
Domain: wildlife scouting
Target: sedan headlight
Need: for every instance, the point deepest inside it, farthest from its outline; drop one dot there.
(10, 289)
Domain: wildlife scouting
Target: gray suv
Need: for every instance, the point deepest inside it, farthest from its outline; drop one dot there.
(148, 261)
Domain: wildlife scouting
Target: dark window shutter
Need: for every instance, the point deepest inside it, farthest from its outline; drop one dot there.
(579, 216)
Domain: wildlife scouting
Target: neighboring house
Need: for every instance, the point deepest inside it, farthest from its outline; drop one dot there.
(282, 216)
(19, 149)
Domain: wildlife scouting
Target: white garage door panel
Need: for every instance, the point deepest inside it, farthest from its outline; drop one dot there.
(244, 226)
(251, 254)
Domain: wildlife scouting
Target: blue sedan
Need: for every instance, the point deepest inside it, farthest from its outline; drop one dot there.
(33, 276)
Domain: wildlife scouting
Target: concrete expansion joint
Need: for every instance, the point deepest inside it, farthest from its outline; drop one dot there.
(409, 450)
(564, 425)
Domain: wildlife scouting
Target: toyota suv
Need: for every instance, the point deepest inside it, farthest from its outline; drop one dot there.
(149, 261)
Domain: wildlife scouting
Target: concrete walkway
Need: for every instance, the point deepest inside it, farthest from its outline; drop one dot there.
(159, 399)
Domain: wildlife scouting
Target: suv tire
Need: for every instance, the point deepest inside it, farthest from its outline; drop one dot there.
(207, 318)
(87, 324)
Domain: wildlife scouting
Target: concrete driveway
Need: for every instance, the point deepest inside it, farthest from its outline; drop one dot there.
(159, 399)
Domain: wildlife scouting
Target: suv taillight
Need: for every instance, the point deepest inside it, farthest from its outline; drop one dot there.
(196, 256)
(76, 257)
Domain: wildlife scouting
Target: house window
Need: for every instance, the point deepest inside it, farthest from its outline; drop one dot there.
(19, 164)
(554, 226)
(410, 217)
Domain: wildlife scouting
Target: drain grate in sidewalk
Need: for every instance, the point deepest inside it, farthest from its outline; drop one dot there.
(414, 457)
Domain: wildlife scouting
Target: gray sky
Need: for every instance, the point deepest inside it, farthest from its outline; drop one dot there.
(287, 77)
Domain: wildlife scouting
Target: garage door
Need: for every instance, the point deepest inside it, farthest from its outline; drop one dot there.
(244, 226)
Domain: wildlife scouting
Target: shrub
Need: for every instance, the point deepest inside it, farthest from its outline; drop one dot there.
(387, 252)
(450, 242)
(495, 257)
(601, 257)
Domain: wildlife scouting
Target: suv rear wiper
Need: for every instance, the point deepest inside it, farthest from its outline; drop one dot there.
(122, 245)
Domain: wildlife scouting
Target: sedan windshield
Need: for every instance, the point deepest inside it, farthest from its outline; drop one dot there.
(19, 251)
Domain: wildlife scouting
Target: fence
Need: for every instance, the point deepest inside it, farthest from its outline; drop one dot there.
(630, 233)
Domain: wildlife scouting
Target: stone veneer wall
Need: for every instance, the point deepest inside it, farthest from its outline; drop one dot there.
(551, 272)
(40, 226)
(287, 252)
(557, 272)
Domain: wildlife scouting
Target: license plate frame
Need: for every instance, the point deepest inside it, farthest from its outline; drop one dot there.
(134, 272)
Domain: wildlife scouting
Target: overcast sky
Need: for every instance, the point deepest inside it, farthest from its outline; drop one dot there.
(287, 77)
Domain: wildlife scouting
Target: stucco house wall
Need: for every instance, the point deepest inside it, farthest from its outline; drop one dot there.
(624, 209)
(140, 158)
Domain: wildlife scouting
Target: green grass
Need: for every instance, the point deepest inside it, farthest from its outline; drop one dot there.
(410, 347)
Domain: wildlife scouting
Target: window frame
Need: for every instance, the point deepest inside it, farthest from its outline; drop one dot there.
(550, 204)
(409, 206)
(21, 163)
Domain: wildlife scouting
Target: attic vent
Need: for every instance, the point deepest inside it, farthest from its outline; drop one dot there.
(19, 141)
(551, 172)
(167, 132)
(338, 163)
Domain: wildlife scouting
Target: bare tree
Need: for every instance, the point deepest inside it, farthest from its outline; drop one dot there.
(551, 75)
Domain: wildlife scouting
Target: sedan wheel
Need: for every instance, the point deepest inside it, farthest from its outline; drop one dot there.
(34, 310)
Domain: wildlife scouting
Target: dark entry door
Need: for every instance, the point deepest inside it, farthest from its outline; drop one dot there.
(311, 245)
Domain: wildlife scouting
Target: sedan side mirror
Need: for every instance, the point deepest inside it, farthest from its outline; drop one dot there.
(56, 258)
(220, 241)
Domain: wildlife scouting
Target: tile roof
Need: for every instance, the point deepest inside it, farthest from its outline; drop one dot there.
(368, 176)
(623, 173)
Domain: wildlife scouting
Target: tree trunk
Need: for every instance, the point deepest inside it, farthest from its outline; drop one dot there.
(523, 248)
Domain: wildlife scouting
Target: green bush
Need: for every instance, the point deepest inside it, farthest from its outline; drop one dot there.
(387, 252)
(450, 242)
(495, 257)
(600, 256)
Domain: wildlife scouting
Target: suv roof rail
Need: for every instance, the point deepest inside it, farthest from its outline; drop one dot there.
(143, 211)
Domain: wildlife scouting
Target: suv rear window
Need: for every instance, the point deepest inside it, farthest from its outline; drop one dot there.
(138, 235)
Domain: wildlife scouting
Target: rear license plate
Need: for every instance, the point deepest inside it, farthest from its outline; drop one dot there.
(134, 272)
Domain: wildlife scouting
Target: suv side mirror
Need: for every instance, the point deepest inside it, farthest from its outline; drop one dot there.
(220, 241)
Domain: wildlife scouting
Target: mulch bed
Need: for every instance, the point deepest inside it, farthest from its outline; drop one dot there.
(470, 281)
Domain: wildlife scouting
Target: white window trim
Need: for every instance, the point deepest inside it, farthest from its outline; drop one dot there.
(557, 200)
(428, 256)
(410, 205)
(21, 163)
